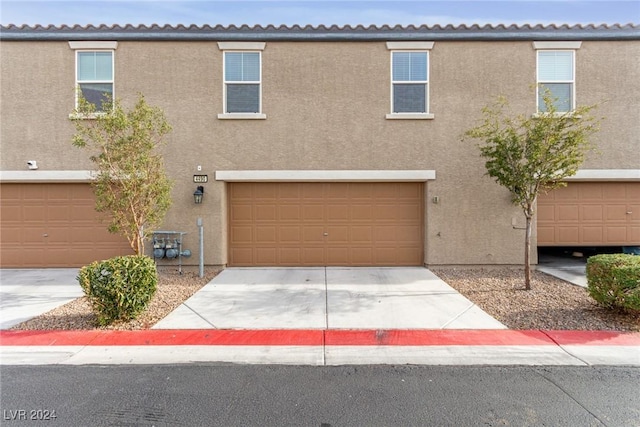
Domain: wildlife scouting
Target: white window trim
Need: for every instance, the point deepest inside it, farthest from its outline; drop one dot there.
(326, 175)
(225, 47)
(410, 116)
(558, 46)
(113, 74)
(241, 45)
(93, 45)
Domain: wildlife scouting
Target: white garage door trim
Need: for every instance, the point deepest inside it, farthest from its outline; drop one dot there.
(326, 175)
(46, 176)
(606, 175)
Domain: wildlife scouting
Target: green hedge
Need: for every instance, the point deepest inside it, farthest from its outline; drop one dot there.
(119, 288)
(614, 280)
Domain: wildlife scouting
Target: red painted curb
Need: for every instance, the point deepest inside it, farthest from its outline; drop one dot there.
(595, 338)
(316, 337)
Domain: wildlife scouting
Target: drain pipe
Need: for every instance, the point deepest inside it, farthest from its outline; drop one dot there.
(201, 237)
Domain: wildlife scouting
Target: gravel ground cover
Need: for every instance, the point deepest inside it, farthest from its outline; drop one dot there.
(551, 304)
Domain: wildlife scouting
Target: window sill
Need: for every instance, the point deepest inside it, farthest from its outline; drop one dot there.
(242, 116)
(93, 116)
(410, 116)
(557, 114)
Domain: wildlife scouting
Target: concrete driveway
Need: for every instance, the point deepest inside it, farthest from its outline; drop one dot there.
(26, 293)
(328, 298)
(572, 270)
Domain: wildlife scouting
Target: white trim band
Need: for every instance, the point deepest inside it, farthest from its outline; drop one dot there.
(410, 45)
(242, 116)
(241, 45)
(93, 45)
(326, 175)
(47, 176)
(557, 45)
(606, 175)
(410, 116)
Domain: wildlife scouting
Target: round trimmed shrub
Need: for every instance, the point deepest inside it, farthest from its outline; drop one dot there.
(119, 288)
(613, 280)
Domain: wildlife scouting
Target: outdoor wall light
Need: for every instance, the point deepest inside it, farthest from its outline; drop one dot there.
(197, 195)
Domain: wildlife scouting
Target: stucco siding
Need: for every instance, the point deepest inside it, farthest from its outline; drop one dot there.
(325, 105)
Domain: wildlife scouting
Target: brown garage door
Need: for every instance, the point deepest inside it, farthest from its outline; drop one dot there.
(590, 213)
(53, 225)
(315, 224)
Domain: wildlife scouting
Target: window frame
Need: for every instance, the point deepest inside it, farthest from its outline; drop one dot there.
(92, 46)
(410, 47)
(113, 75)
(559, 46)
(241, 47)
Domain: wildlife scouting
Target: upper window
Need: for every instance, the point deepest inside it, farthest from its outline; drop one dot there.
(242, 80)
(409, 79)
(94, 77)
(556, 74)
(409, 82)
(94, 71)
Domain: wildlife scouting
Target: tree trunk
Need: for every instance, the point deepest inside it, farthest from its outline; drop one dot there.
(527, 250)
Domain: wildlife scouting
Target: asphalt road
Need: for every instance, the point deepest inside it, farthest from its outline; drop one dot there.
(225, 395)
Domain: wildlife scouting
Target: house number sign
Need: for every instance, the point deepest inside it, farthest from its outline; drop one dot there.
(200, 178)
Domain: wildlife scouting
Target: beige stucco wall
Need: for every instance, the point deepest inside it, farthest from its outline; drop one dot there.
(325, 105)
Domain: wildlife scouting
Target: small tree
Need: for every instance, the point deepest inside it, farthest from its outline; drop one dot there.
(528, 155)
(131, 184)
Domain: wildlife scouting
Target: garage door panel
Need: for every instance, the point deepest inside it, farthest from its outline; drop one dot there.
(545, 213)
(568, 234)
(361, 234)
(592, 213)
(361, 213)
(313, 234)
(546, 234)
(361, 255)
(240, 212)
(266, 256)
(410, 212)
(34, 214)
(603, 219)
(289, 233)
(266, 234)
(285, 213)
(616, 234)
(337, 255)
(242, 234)
(329, 223)
(592, 234)
(290, 256)
(285, 191)
(265, 212)
(616, 213)
(337, 213)
(568, 213)
(313, 213)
